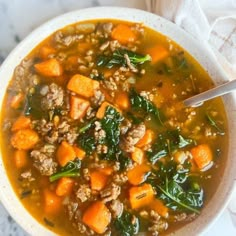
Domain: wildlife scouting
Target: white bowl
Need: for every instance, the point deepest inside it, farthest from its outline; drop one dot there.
(197, 49)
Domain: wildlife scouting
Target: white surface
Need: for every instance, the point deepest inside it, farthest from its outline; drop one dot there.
(19, 18)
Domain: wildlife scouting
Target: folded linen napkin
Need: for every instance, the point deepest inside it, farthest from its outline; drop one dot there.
(211, 21)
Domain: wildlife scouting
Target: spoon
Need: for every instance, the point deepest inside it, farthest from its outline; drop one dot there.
(209, 94)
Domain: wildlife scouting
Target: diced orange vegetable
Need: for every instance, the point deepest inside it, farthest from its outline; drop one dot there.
(72, 60)
(141, 196)
(146, 139)
(17, 100)
(83, 85)
(83, 47)
(98, 180)
(20, 159)
(24, 139)
(202, 155)
(123, 33)
(45, 51)
(157, 53)
(65, 153)
(158, 206)
(22, 122)
(106, 170)
(64, 186)
(52, 202)
(97, 217)
(102, 109)
(78, 107)
(50, 67)
(138, 174)
(80, 153)
(71, 63)
(138, 155)
(122, 100)
(108, 72)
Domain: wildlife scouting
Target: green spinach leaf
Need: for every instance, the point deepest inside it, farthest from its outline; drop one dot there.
(213, 123)
(118, 58)
(124, 161)
(175, 186)
(127, 224)
(177, 198)
(87, 142)
(110, 123)
(72, 169)
(141, 104)
(170, 170)
(87, 126)
(166, 143)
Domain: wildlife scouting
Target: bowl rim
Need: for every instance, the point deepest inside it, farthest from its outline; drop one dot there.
(198, 50)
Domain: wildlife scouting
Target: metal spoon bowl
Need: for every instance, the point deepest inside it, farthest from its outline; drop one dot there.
(209, 94)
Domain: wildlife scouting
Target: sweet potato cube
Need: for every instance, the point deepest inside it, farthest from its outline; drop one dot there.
(24, 139)
(80, 153)
(138, 174)
(141, 196)
(123, 33)
(158, 206)
(45, 51)
(65, 153)
(107, 170)
(50, 67)
(64, 186)
(17, 100)
(102, 109)
(78, 107)
(122, 100)
(157, 53)
(146, 139)
(202, 155)
(83, 85)
(22, 122)
(97, 217)
(98, 180)
(52, 202)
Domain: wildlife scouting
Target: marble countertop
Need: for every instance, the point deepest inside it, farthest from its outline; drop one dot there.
(18, 18)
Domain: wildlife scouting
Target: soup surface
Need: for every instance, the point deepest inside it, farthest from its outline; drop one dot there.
(95, 139)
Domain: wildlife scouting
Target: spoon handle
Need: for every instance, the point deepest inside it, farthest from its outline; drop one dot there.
(209, 94)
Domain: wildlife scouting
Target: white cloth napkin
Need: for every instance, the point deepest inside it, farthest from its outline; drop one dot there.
(211, 21)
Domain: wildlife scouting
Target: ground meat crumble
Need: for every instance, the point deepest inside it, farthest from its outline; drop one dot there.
(133, 136)
(110, 192)
(43, 160)
(83, 193)
(53, 96)
(52, 133)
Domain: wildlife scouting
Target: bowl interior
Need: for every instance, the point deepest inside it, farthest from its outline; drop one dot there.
(197, 49)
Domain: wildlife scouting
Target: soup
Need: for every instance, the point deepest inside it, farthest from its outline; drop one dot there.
(95, 139)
